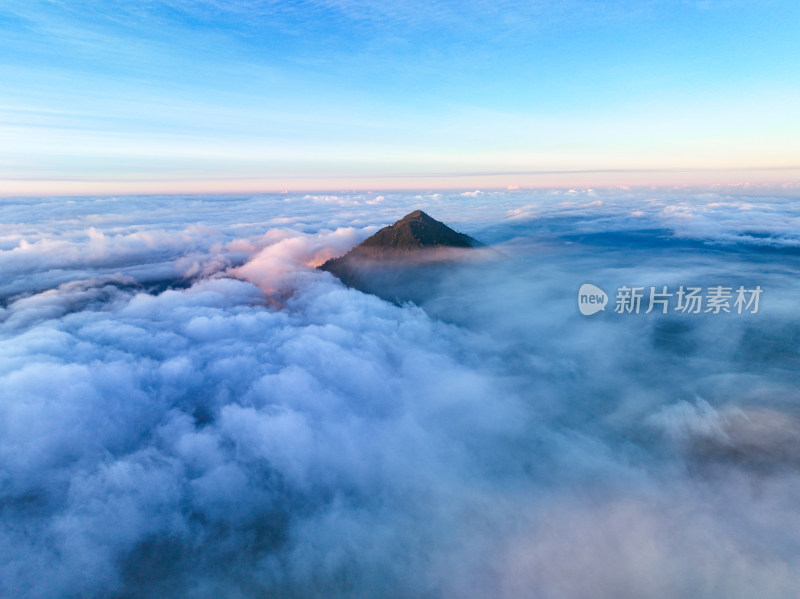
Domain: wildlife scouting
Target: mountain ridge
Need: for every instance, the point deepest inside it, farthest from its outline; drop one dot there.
(418, 230)
(399, 252)
(415, 231)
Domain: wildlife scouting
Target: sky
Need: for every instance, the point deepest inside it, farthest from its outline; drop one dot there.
(182, 96)
(188, 409)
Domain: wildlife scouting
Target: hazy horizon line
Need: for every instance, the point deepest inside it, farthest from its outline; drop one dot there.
(518, 179)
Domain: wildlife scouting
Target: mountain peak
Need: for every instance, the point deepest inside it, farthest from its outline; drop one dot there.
(398, 251)
(416, 215)
(415, 231)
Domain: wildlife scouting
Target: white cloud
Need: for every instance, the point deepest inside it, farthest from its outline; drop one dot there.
(261, 429)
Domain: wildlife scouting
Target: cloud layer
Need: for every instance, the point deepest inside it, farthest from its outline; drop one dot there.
(189, 409)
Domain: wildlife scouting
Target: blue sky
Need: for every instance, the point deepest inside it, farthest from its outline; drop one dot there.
(204, 95)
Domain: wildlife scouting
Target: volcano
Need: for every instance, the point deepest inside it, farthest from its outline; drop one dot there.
(415, 231)
(396, 260)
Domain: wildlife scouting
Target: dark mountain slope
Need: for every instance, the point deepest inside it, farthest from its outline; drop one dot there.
(401, 259)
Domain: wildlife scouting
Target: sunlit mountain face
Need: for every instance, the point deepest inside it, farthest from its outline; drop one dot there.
(189, 407)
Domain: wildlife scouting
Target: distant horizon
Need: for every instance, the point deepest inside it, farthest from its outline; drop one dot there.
(764, 177)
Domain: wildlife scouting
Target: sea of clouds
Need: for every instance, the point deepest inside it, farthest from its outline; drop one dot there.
(189, 409)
